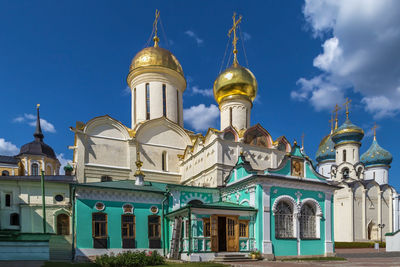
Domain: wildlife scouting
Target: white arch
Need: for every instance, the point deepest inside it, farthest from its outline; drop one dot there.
(288, 198)
(245, 201)
(315, 203)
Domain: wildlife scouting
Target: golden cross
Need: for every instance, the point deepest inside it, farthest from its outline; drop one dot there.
(331, 122)
(155, 38)
(336, 109)
(374, 129)
(235, 39)
(302, 141)
(348, 101)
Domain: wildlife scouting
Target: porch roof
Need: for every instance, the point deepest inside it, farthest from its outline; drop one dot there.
(215, 205)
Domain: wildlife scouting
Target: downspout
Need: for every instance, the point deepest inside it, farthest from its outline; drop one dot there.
(166, 195)
(73, 221)
(43, 202)
(190, 230)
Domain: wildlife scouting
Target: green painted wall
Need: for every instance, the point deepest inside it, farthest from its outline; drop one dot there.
(285, 247)
(84, 210)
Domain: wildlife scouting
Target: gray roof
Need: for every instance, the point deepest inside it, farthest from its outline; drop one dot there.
(48, 178)
(9, 159)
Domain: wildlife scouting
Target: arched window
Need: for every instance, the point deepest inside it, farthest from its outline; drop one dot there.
(346, 173)
(230, 116)
(147, 101)
(307, 222)
(5, 173)
(154, 231)
(284, 220)
(344, 155)
(164, 161)
(229, 136)
(99, 230)
(14, 219)
(164, 99)
(256, 138)
(35, 169)
(49, 170)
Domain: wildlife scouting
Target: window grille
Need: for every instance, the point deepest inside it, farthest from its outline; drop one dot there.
(243, 229)
(307, 222)
(154, 231)
(284, 221)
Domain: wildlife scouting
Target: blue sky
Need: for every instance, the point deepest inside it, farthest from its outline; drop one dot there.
(73, 57)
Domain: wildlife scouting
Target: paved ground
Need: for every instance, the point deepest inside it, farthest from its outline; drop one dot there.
(355, 257)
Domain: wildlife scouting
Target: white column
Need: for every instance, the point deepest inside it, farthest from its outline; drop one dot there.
(180, 111)
(235, 111)
(156, 103)
(43, 167)
(390, 229)
(267, 244)
(172, 103)
(140, 102)
(379, 212)
(364, 214)
(352, 214)
(26, 166)
(133, 107)
(328, 224)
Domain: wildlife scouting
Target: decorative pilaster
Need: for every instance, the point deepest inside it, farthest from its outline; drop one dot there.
(267, 244)
(364, 214)
(328, 225)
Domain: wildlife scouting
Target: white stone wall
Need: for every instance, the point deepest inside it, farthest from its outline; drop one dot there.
(324, 168)
(352, 153)
(379, 174)
(241, 109)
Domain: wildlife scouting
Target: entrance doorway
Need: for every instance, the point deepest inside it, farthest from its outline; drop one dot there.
(221, 233)
(62, 224)
(224, 233)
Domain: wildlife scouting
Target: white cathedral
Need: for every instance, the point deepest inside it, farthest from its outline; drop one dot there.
(105, 149)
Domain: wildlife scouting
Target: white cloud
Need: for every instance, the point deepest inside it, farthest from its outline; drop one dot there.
(360, 51)
(8, 148)
(201, 117)
(30, 119)
(63, 162)
(203, 92)
(246, 36)
(126, 91)
(194, 36)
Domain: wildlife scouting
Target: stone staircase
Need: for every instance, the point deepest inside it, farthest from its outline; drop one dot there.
(231, 257)
(60, 248)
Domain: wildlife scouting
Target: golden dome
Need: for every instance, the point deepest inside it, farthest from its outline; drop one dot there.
(235, 81)
(154, 57)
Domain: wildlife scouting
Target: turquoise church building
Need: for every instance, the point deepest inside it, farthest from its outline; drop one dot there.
(284, 211)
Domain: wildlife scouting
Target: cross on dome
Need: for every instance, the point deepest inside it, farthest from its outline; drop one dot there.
(235, 39)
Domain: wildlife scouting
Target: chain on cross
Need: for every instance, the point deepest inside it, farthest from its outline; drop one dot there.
(235, 39)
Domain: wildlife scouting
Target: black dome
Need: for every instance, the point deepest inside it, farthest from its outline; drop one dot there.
(37, 147)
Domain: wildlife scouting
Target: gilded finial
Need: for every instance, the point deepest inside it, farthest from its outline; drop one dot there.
(235, 39)
(37, 106)
(295, 142)
(374, 129)
(335, 110)
(155, 38)
(346, 104)
(139, 164)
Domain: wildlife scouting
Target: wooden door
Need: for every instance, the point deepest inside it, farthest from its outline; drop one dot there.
(214, 233)
(232, 234)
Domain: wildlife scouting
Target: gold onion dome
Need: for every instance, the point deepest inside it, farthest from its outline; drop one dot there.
(154, 57)
(235, 81)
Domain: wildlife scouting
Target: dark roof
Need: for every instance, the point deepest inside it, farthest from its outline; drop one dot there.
(38, 147)
(9, 159)
(48, 178)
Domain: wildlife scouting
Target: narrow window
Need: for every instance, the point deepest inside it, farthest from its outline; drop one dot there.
(128, 230)
(8, 200)
(374, 175)
(164, 161)
(14, 219)
(346, 173)
(230, 116)
(99, 230)
(243, 228)
(164, 98)
(206, 227)
(147, 101)
(134, 104)
(344, 155)
(307, 222)
(34, 169)
(283, 221)
(354, 154)
(177, 107)
(154, 231)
